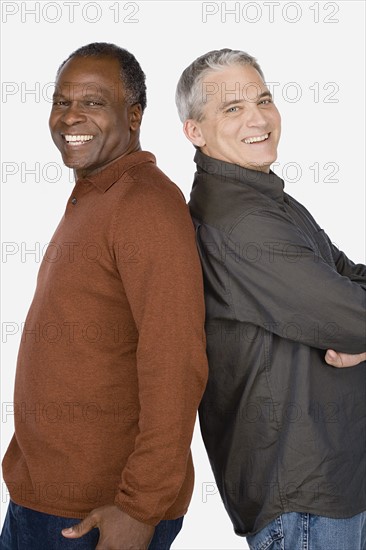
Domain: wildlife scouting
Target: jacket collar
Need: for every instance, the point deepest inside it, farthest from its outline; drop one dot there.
(107, 176)
(268, 184)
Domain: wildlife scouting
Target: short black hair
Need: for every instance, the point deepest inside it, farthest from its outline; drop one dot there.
(131, 74)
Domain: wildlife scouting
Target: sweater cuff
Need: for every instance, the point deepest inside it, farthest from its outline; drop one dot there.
(131, 511)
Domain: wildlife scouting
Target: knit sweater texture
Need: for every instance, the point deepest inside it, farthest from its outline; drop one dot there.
(112, 361)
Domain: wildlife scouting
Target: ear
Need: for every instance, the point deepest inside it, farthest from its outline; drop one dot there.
(193, 132)
(135, 116)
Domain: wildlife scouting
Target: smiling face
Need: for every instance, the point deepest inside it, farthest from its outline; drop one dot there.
(91, 123)
(240, 122)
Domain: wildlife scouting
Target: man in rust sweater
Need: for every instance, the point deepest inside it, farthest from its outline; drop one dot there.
(112, 362)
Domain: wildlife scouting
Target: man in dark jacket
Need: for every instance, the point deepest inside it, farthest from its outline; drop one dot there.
(284, 431)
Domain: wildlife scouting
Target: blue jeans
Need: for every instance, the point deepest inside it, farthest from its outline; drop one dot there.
(26, 529)
(298, 531)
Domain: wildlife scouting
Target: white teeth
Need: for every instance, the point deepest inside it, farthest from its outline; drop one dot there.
(77, 139)
(255, 139)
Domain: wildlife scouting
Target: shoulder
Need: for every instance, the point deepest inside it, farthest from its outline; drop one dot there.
(144, 180)
(150, 201)
(216, 205)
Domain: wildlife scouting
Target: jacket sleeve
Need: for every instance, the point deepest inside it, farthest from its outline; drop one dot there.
(347, 268)
(273, 275)
(162, 278)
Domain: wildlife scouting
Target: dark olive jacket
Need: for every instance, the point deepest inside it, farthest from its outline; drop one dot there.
(284, 431)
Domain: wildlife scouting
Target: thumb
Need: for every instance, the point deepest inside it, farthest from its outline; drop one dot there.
(81, 528)
(332, 358)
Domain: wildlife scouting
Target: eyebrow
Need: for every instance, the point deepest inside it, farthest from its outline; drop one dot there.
(93, 96)
(86, 97)
(227, 104)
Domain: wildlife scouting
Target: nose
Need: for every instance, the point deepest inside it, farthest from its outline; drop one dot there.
(73, 114)
(256, 117)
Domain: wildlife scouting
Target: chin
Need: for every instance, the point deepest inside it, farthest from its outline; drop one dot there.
(74, 164)
(265, 165)
(262, 168)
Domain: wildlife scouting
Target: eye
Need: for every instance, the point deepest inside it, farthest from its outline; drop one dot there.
(94, 103)
(233, 109)
(60, 103)
(265, 101)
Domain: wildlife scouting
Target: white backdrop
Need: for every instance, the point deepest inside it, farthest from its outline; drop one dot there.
(313, 56)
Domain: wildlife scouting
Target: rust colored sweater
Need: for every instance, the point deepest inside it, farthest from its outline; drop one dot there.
(112, 362)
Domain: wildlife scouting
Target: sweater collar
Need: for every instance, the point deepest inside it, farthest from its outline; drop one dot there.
(269, 184)
(108, 175)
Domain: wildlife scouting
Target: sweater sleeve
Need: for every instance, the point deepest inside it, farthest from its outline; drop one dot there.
(158, 263)
(272, 275)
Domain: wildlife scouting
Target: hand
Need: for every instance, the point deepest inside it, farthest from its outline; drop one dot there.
(338, 359)
(118, 530)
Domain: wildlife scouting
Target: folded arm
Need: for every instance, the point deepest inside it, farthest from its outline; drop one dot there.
(275, 278)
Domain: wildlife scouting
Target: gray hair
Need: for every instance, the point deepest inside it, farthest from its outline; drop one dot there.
(189, 97)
